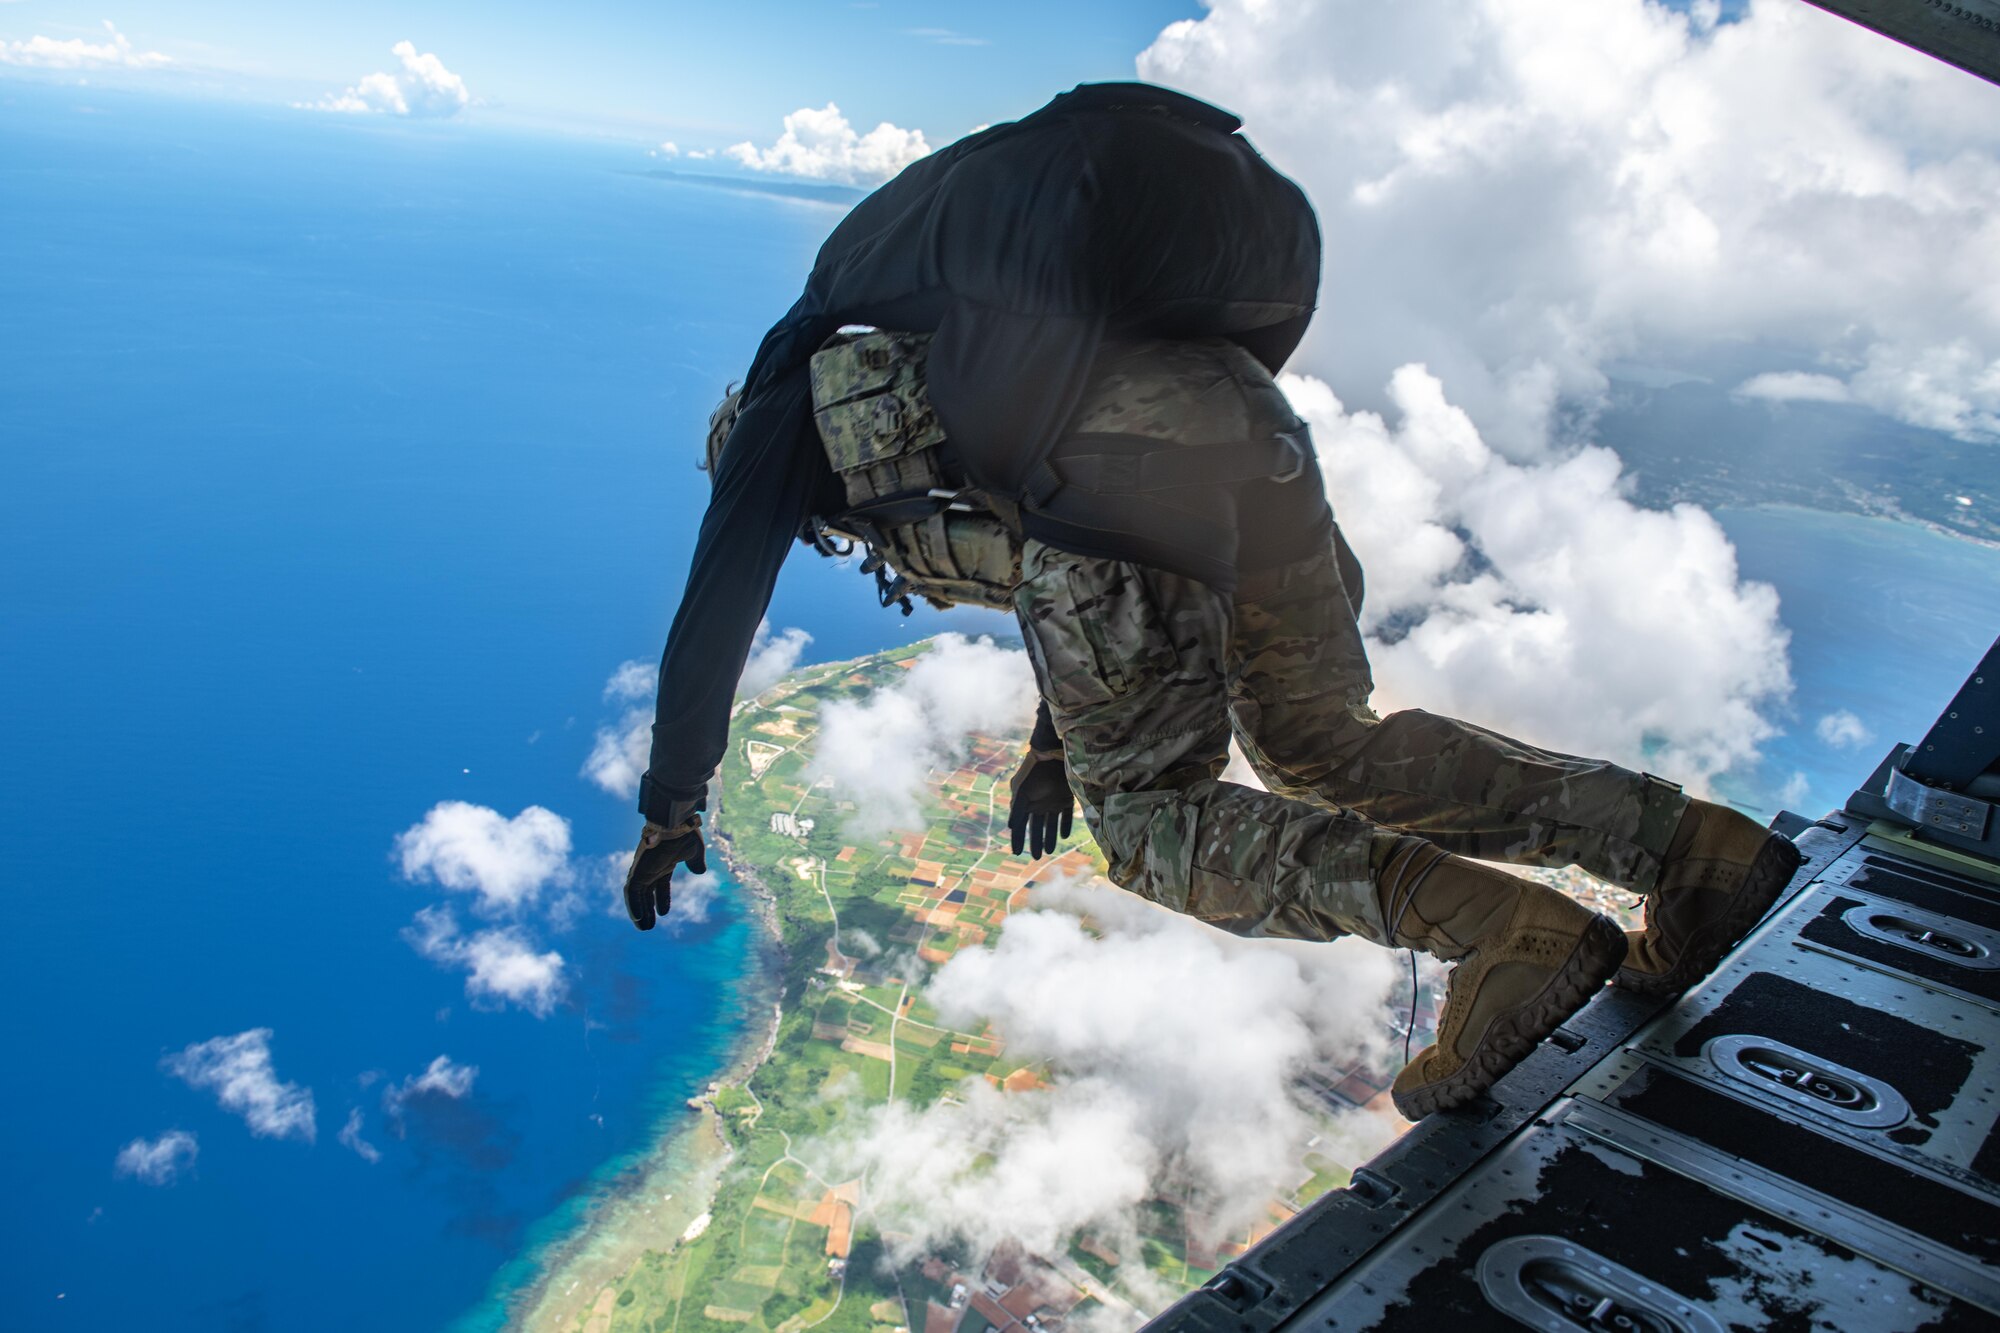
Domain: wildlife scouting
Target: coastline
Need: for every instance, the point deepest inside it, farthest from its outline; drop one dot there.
(689, 1155)
(687, 1158)
(1871, 508)
(676, 1186)
(1892, 513)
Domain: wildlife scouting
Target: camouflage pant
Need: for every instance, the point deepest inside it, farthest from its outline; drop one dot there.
(1147, 674)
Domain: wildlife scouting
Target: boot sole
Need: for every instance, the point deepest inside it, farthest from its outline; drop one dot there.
(1511, 1036)
(1777, 861)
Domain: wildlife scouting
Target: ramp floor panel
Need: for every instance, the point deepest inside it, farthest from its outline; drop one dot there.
(1809, 1139)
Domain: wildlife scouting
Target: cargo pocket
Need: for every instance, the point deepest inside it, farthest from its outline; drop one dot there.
(870, 404)
(1169, 855)
(1100, 631)
(1154, 833)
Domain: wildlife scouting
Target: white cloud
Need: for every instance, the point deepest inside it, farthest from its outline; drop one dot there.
(1844, 731)
(502, 965)
(422, 87)
(1797, 788)
(879, 750)
(632, 680)
(1952, 387)
(1795, 386)
(821, 145)
(1518, 194)
(619, 755)
(1239, 771)
(668, 149)
(1504, 592)
(694, 898)
(1173, 1052)
(159, 1161)
(772, 658)
(945, 37)
(76, 53)
(441, 1078)
(239, 1071)
(622, 749)
(471, 848)
(351, 1138)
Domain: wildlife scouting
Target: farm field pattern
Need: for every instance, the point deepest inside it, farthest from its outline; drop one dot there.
(789, 1242)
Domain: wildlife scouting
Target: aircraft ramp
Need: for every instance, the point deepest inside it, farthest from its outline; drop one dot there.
(1808, 1139)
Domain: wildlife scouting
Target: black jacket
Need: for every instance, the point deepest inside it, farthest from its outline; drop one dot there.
(1116, 209)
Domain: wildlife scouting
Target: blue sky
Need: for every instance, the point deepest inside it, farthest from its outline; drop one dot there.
(701, 75)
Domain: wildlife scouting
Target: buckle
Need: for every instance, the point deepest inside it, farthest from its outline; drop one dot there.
(829, 540)
(1300, 452)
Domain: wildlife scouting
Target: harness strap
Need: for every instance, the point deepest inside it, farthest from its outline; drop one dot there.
(1142, 465)
(896, 510)
(1041, 486)
(915, 506)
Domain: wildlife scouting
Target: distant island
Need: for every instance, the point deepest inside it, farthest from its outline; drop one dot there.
(737, 1232)
(1694, 442)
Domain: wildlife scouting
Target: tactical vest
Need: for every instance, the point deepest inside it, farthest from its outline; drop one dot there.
(928, 533)
(1161, 417)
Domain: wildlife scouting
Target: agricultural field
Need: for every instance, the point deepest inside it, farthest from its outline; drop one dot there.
(785, 1246)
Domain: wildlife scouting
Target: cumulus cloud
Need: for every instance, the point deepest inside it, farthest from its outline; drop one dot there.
(1532, 596)
(239, 1071)
(878, 751)
(421, 87)
(1173, 1052)
(117, 52)
(351, 1138)
(622, 749)
(772, 658)
(695, 897)
(821, 145)
(502, 966)
(1844, 731)
(473, 849)
(1795, 386)
(1516, 195)
(159, 1161)
(443, 1077)
(632, 681)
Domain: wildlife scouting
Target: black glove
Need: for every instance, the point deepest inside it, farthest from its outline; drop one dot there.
(649, 883)
(1042, 804)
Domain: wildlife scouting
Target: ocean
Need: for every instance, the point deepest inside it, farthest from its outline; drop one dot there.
(1887, 620)
(341, 461)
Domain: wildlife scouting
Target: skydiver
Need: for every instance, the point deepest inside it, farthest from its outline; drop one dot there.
(1066, 409)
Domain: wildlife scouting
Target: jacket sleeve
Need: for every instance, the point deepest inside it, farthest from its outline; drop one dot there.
(770, 475)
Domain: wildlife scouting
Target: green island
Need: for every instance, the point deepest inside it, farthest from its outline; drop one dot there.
(781, 1247)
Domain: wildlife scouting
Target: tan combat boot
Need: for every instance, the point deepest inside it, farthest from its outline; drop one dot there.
(1528, 957)
(1722, 872)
